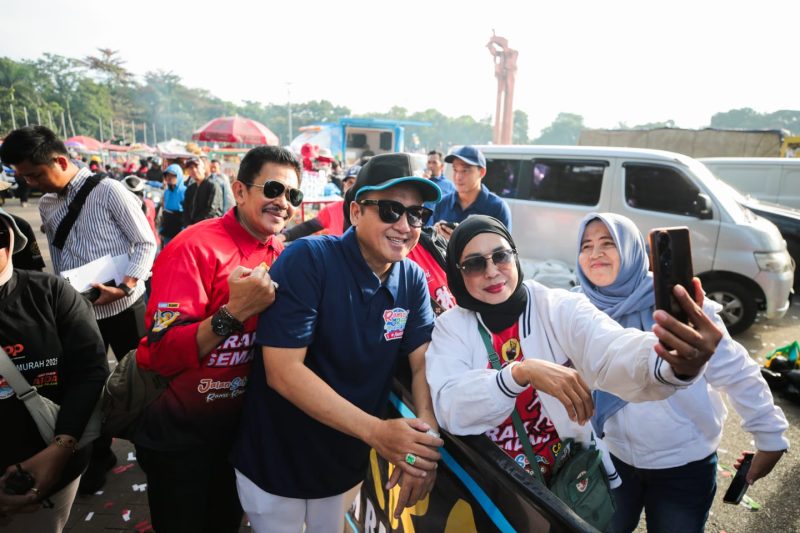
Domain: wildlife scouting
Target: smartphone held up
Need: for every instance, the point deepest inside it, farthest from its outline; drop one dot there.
(671, 260)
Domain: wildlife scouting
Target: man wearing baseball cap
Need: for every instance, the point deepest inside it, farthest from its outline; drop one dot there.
(347, 309)
(471, 196)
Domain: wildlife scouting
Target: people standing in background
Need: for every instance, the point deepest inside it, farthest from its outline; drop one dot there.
(471, 196)
(215, 174)
(436, 174)
(110, 222)
(203, 198)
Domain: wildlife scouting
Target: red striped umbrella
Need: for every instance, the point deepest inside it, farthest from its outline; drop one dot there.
(236, 130)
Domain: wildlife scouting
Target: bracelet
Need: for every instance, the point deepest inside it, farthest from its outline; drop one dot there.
(61, 442)
(236, 323)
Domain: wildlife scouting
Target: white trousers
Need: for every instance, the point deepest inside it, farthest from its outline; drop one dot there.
(269, 513)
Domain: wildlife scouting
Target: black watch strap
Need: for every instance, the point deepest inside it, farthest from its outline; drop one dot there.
(223, 323)
(125, 288)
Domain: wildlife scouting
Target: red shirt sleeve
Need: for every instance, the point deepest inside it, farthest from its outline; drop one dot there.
(179, 301)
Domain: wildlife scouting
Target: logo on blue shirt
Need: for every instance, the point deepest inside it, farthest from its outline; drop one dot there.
(394, 323)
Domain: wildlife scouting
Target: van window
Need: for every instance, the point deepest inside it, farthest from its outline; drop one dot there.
(566, 182)
(659, 188)
(502, 176)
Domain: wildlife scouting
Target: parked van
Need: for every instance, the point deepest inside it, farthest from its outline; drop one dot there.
(768, 179)
(740, 257)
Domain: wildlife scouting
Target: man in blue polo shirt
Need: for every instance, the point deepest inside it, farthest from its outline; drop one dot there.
(471, 196)
(347, 309)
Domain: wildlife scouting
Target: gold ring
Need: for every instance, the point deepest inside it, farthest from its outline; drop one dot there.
(411, 458)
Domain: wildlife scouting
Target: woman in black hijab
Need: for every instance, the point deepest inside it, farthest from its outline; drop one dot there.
(553, 347)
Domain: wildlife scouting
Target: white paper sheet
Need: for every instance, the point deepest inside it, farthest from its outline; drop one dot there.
(101, 270)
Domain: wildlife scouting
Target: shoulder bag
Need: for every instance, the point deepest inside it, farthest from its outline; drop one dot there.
(74, 209)
(127, 393)
(43, 411)
(579, 479)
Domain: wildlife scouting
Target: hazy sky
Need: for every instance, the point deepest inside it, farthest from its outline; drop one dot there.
(611, 62)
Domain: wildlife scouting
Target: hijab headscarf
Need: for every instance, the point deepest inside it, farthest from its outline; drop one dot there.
(630, 299)
(497, 317)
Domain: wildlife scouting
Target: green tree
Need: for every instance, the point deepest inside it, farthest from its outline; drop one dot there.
(520, 132)
(565, 129)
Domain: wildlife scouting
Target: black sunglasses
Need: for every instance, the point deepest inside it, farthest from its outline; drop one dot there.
(5, 238)
(476, 266)
(273, 189)
(390, 212)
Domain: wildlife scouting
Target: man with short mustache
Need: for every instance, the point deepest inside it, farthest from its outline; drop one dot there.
(208, 287)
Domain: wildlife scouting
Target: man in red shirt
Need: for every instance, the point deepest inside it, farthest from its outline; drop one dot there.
(208, 287)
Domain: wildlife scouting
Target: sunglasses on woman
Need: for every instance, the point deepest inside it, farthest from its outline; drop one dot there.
(390, 212)
(476, 265)
(5, 238)
(273, 189)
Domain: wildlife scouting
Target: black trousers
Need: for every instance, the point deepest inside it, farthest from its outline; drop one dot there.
(191, 491)
(122, 332)
(23, 190)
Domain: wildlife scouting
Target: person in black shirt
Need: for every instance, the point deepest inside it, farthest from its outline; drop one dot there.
(49, 331)
(203, 198)
(29, 257)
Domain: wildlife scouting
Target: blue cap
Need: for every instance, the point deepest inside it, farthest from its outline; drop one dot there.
(176, 169)
(352, 172)
(469, 155)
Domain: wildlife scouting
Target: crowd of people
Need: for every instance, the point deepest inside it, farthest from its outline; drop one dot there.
(280, 348)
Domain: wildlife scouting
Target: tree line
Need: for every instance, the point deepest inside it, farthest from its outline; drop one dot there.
(97, 96)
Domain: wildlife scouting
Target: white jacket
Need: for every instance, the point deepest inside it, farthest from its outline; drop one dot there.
(557, 326)
(687, 426)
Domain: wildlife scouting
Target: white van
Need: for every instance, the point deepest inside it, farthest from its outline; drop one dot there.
(768, 179)
(740, 257)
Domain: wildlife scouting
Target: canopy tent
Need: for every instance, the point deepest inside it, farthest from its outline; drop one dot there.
(236, 130)
(83, 143)
(173, 149)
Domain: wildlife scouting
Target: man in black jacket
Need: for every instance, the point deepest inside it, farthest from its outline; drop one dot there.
(203, 198)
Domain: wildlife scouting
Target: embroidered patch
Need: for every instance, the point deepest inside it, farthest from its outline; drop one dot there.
(510, 350)
(164, 319)
(6, 391)
(394, 323)
(166, 305)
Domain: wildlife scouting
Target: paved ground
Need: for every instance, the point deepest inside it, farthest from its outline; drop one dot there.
(122, 505)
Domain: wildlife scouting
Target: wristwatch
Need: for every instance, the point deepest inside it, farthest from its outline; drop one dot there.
(124, 287)
(223, 323)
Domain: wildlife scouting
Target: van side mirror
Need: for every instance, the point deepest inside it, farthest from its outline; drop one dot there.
(702, 207)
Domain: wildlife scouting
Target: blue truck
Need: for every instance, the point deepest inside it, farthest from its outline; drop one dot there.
(350, 139)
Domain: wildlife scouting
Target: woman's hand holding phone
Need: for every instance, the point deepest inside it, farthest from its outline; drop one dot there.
(691, 345)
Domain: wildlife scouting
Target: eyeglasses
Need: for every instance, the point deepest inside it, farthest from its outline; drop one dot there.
(390, 212)
(5, 238)
(476, 265)
(273, 189)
